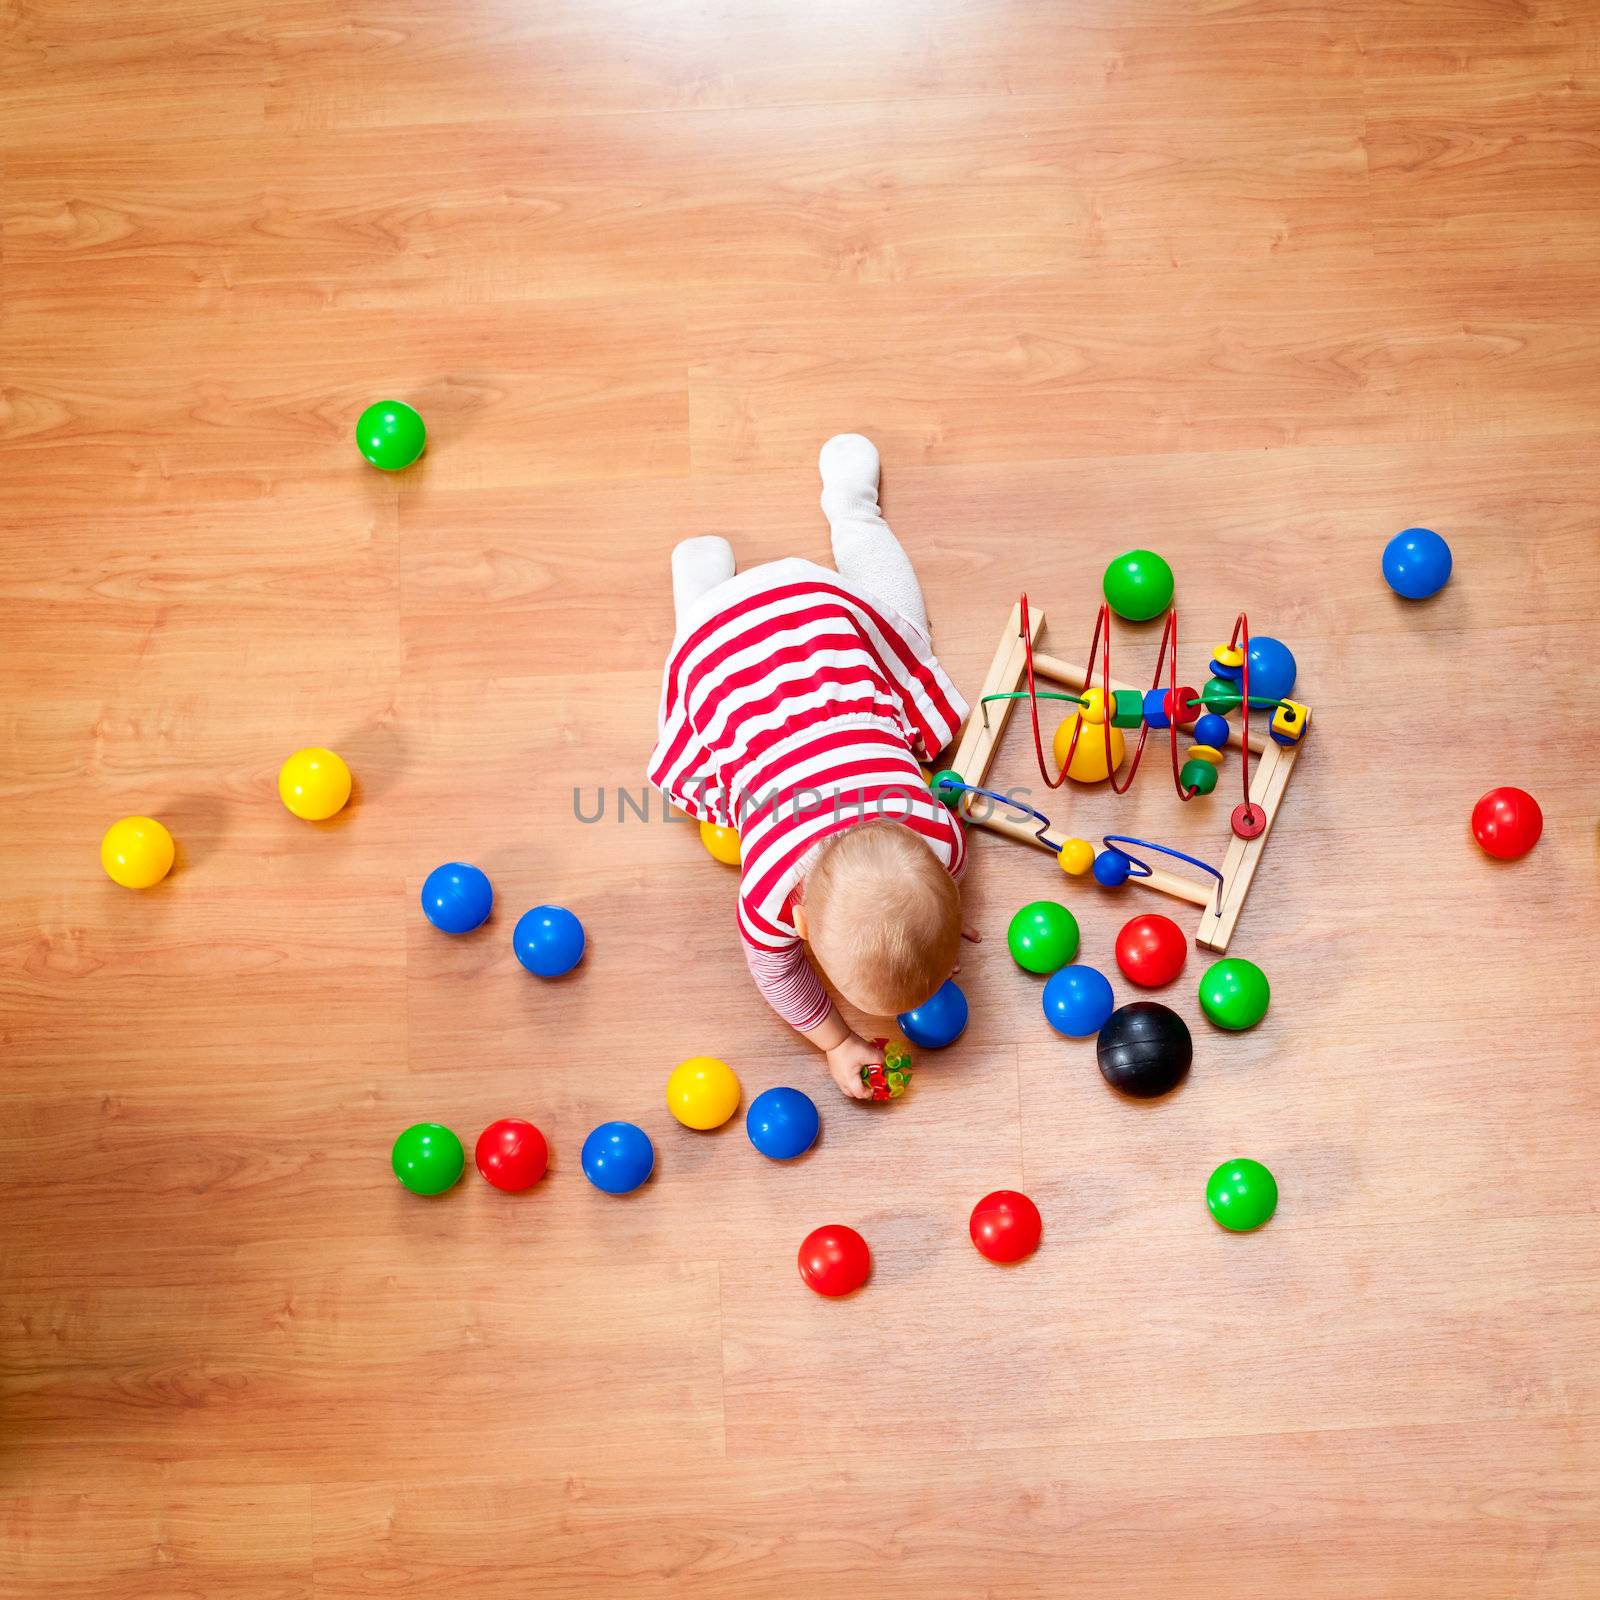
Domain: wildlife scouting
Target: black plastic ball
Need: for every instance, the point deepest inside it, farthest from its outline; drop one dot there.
(1145, 1049)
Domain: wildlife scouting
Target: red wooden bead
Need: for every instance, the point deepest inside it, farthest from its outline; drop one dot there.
(1188, 707)
(1249, 822)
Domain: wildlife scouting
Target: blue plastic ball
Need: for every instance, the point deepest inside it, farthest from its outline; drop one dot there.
(618, 1157)
(1111, 868)
(548, 941)
(1213, 730)
(1077, 1001)
(936, 1022)
(1272, 669)
(1416, 563)
(456, 898)
(782, 1123)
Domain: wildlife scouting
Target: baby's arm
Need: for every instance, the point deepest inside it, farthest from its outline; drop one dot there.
(792, 988)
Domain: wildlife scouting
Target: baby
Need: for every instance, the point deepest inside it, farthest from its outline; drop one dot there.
(795, 705)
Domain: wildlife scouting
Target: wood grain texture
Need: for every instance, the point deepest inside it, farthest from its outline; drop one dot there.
(1254, 284)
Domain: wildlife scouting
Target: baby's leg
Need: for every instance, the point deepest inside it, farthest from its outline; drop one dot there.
(698, 566)
(864, 549)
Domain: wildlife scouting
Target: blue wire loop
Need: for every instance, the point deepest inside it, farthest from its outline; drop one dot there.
(1141, 869)
(1112, 841)
(1015, 805)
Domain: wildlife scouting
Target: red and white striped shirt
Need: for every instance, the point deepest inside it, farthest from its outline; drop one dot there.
(793, 705)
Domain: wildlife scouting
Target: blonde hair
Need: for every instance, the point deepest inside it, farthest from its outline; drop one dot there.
(883, 917)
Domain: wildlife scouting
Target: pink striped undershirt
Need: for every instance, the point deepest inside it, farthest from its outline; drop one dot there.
(797, 708)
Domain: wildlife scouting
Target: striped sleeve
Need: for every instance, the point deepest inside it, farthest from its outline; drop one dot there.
(789, 983)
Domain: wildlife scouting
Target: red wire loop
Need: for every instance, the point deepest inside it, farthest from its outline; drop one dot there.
(1100, 652)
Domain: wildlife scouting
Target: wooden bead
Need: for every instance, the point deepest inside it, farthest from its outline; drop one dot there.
(1219, 695)
(1127, 708)
(1187, 709)
(1089, 759)
(1227, 661)
(1290, 721)
(1204, 752)
(1094, 706)
(1155, 708)
(1076, 857)
(1200, 776)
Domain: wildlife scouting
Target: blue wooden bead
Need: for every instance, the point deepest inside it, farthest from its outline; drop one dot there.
(1227, 661)
(1213, 730)
(1111, 868)
(1155, 714)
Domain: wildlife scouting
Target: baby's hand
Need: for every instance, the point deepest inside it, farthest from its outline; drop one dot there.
(846, 1060)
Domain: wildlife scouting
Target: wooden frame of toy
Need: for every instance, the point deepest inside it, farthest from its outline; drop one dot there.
(1107, 704)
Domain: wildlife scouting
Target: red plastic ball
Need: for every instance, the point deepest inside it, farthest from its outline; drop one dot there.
(1005, 1226)
(511, 1154)
(834, 1260)
(1151, 950)
(1507, 823)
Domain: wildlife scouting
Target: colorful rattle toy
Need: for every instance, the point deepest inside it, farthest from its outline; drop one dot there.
(890, 1079)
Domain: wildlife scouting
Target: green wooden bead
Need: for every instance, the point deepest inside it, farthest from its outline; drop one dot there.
(1198, 775)
(1219, 695)
(1127, 708)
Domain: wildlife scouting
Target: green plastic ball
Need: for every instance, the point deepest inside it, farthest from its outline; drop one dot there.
(1043, 937)
(1138, 585)
(391, 435)
(1234, 993)
(428, 1158)
(1242, 1195)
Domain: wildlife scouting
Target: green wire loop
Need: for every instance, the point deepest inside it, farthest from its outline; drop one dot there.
(1043, 694)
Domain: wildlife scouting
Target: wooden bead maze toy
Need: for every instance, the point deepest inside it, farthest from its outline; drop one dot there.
(1106, 707)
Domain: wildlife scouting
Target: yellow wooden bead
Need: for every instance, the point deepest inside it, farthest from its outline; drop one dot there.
(1094, 706)
(1290, 721)
(1204, 752)
(1228, 655)
(1076, 856)
(1089, 759)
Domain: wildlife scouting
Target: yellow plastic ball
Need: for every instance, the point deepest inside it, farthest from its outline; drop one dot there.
(1089, 759)
(702, 1092)
(723, 843)
(314, 784)
(1076, 855)
(136, 852)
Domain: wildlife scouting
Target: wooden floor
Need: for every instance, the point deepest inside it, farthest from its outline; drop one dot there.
(1255, 284)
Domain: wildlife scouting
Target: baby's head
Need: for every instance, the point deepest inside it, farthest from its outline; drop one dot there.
(882, 917)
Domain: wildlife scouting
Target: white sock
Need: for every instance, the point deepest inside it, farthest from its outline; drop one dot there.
(698, 566)
(864, 549)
